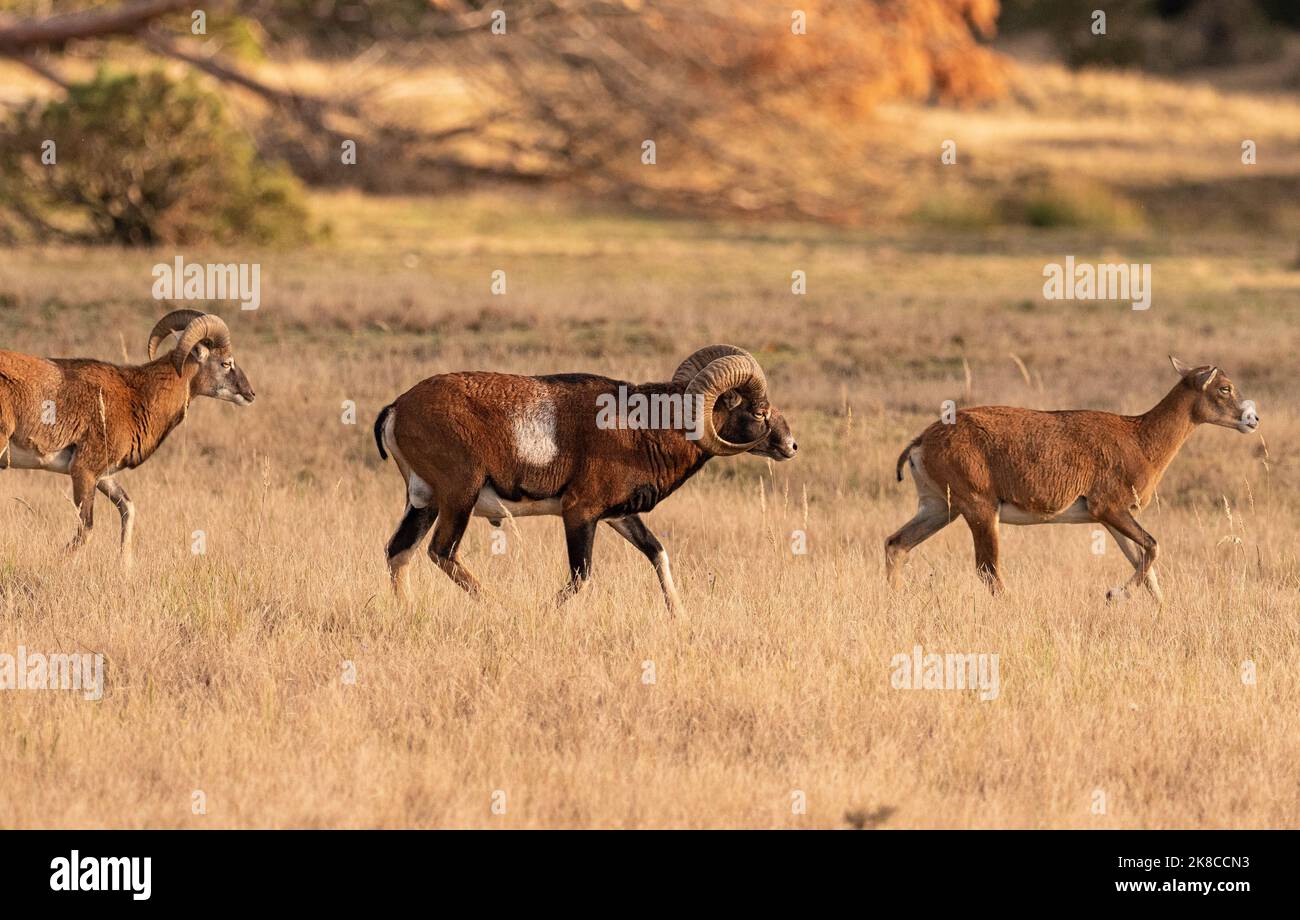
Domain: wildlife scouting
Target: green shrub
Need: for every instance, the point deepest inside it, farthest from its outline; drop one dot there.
(1043, 201)
(1058, 202)
(958, 209)
(141, 159)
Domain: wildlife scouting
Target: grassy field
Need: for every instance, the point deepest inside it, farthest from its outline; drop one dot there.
(225, 671)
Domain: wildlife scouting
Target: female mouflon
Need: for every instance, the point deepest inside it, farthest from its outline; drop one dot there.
(998, 464)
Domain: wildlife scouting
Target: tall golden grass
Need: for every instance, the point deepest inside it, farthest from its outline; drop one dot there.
(225, 671)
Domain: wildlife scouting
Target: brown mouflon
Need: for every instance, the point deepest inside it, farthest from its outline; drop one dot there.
(998, 464)
(499, 445)
(91, 419)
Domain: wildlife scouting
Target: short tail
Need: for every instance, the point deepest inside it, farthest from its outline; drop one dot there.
(902, 458)
(380, 421)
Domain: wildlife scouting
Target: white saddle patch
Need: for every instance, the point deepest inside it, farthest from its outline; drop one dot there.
(534, 431)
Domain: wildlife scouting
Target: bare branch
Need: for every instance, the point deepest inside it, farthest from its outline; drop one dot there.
(308, 108)
(57, 30)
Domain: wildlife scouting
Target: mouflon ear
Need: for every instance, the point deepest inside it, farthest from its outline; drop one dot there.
(1199, 379)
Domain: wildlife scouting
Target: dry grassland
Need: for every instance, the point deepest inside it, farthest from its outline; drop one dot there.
(225, 670)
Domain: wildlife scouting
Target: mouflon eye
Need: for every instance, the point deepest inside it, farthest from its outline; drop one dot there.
(1226, 391)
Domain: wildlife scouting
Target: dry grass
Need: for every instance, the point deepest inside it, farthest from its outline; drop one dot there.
(225, 670)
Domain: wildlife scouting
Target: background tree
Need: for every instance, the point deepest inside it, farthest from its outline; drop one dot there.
(743, 102)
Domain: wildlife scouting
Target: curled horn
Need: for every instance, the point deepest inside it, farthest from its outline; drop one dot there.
(687, 370)
(176, 321)
(735, 370)
(203, 328)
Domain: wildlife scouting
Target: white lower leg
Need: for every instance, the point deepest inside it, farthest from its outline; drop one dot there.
(665, 573)
(128, 531)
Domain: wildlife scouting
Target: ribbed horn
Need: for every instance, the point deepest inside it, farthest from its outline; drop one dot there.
(206, 327)
(687, 370)
(176, 321)
(738, 372)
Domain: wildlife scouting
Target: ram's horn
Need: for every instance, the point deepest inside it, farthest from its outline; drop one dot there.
(687, 370)
(728, 371)
(204, 328)
(176, 321)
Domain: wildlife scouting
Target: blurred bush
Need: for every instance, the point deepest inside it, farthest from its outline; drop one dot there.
(1055, 201)
(1158, 35)
(141, 159)
(344, 28)
(1033, 200)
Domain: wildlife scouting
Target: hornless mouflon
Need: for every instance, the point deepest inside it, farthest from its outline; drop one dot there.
(997, 464)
